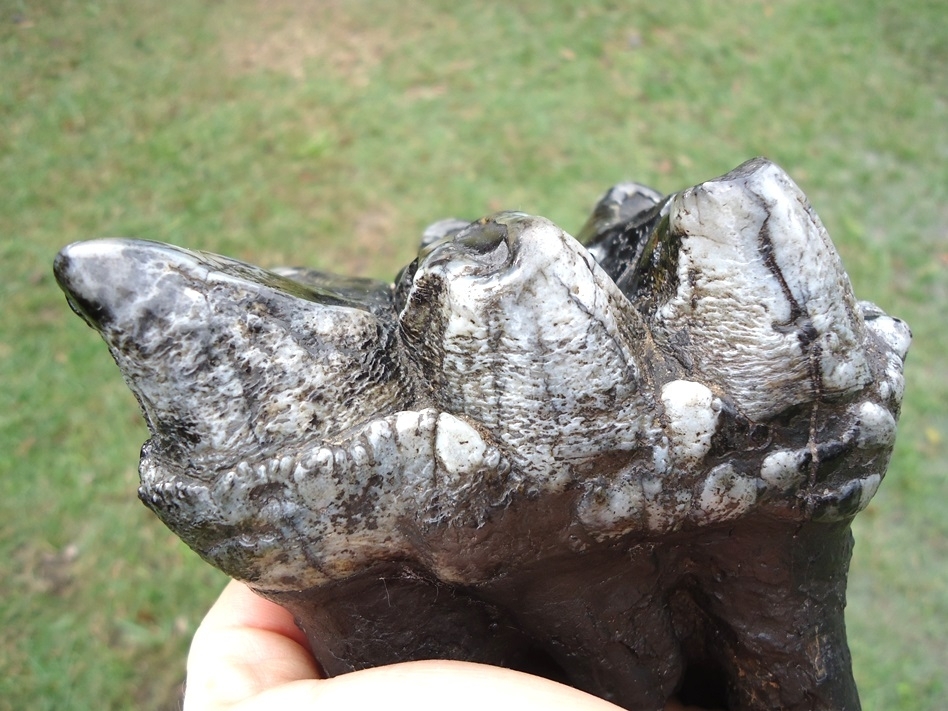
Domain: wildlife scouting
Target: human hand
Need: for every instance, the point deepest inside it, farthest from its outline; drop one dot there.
(249, 655)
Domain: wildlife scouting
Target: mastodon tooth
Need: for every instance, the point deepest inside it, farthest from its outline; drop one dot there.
(618, 228)
(631, 465)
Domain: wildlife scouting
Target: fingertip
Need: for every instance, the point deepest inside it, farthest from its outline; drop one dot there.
(244, 646)
(240, 607)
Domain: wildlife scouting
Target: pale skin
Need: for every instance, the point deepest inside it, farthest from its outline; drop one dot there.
(248, 655)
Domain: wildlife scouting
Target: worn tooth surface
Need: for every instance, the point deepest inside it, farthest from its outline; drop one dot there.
(515, 326)
(630, 465)
(752, 292)
(620, 206)
(226, 358)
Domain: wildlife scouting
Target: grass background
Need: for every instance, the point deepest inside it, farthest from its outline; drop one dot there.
(328, 134)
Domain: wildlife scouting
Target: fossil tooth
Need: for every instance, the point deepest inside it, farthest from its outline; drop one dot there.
(628, 462)
(622, 206)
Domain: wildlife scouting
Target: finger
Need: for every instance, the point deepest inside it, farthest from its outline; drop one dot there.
(238, 606)
(244, 646)
(459, 686)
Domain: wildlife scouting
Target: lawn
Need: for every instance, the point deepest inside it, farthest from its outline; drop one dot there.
(329, 134)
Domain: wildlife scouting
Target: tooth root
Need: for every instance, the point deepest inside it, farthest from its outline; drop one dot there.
(755, 294)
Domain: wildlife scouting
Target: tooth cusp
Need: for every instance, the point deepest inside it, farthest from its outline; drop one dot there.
(760, 294)
(785, 469)
(875, 425)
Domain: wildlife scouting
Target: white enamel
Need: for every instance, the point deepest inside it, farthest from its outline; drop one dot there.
(537, 350)
(783, 469)
(876, 425)
(757, 276)
(692, 412)
(726, 494)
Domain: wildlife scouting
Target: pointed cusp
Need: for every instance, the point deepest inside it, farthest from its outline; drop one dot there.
(757, 293)
(227, 358)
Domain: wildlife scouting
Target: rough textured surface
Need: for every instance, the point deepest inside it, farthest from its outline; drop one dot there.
(627, 462)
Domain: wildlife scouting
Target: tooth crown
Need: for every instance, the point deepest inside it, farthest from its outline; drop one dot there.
(518, 397)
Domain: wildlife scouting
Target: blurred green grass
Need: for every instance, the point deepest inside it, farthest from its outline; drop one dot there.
(328, 134)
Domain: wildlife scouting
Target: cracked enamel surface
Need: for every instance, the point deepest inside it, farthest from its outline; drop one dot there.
(529, 338)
